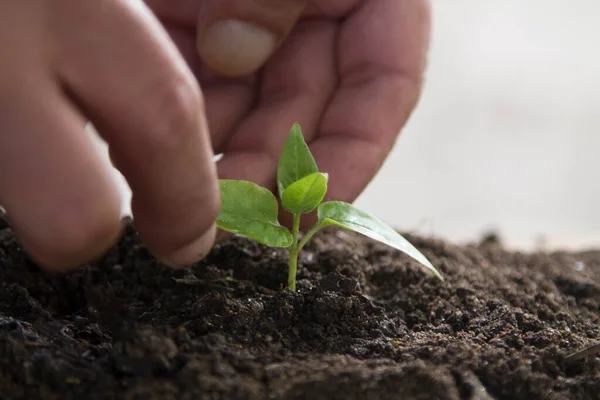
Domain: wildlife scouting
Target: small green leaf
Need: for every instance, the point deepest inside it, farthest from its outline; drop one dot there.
(349, 217)
(251, 211)
(306, 194)
(295, 160)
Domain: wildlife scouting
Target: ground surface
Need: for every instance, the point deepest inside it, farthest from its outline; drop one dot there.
(367, 323)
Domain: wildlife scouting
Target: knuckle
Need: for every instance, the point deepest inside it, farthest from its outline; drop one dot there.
(175, 114)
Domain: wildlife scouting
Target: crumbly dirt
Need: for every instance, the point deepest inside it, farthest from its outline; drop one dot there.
(367, 323)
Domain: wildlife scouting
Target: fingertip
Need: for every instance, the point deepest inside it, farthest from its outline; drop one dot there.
(193, 252)
(72, 249)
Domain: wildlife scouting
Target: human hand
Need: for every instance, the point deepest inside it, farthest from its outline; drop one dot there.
(110, 61)
(349, 71)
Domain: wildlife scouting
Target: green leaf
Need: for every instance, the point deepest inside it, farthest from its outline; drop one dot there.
(306, 194)
(295, 160)
(349, 217)
(251, 211)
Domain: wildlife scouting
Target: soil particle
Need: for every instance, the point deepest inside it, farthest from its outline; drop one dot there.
(366, 323)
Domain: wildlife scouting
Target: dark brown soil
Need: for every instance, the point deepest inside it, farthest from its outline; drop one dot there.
(367, 323)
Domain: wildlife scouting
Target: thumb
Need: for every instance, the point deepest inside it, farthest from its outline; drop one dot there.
(236, 37)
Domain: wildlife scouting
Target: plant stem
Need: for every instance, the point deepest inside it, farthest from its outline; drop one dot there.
(296, 247)
(292, 270)
(294, 252)
(296, 230)
(310, 234)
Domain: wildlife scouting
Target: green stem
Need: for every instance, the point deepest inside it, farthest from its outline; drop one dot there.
(296, 230)
(292, 270)
(310, 234)
(296, 247)
(294, 252)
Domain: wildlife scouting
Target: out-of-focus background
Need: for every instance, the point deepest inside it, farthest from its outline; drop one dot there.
(506, 136)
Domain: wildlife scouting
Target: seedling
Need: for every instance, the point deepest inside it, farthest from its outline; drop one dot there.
(251, 211)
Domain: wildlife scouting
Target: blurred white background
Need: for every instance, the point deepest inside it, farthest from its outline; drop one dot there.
(506, 134)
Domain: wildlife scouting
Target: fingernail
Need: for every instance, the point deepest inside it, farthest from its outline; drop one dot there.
(193, 252)
(234, 47)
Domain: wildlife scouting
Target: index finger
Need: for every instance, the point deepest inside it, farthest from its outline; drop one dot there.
(147, 105)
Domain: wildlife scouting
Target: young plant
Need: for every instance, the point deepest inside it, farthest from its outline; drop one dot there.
(251, 211)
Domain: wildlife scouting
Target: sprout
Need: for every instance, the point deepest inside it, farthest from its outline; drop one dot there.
(252, 211)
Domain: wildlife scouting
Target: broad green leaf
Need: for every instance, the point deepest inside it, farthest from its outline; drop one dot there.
(349, 217)
(306, 194)
(251, 211)
(295, 160)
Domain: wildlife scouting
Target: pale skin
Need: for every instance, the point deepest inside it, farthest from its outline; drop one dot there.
(167, 92)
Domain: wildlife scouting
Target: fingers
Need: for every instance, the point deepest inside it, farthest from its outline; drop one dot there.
(236, 37)
(145, 102)
(227, 100)
(292, 90)
(382, 52)
(59, 196)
